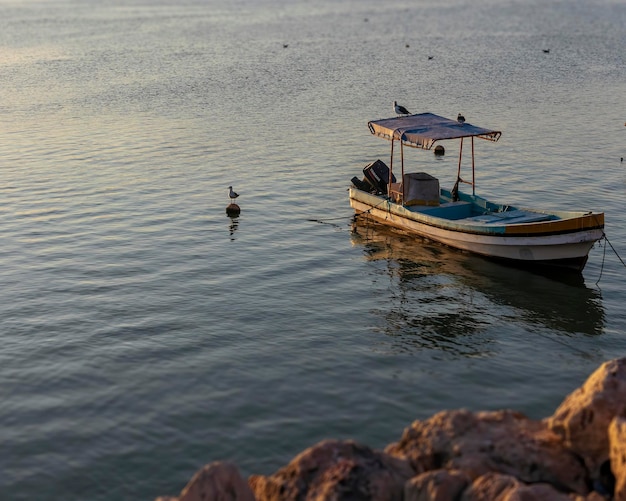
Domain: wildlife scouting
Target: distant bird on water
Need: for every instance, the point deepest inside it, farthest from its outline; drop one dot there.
(232, 194)
(400, 110)
(460, 118)
(546, 51)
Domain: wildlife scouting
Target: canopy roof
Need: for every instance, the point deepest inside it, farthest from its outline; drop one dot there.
(423, 129)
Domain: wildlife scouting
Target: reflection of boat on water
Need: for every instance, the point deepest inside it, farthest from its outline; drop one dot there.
(442, 293)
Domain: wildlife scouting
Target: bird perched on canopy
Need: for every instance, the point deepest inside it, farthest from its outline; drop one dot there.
(400, 110)
(460, 118)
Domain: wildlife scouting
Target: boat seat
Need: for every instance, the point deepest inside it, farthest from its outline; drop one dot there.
(448, 210)
(510, 217)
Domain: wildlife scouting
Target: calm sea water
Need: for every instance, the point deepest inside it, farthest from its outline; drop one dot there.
(145, 333)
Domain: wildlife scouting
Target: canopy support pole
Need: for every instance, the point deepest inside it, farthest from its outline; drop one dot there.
(455, 189)
(390, 170)
(402, 165)
(473, 171)
(458, 175)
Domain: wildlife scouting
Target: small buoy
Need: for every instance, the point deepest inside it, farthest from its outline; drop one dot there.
(439, 150)
(233, 210)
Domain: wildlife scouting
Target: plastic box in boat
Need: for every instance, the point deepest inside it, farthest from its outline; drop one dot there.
(421, 189)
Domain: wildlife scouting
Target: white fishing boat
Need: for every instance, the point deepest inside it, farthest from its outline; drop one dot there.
(417, 204)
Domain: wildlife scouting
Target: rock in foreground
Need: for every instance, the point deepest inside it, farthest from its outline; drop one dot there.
(217, 481)
(583, 418)
(503, 442)
(577, 454)
(336, 469)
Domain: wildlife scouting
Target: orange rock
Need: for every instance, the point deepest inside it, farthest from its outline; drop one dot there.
(217, 481)
(583, 418)
(337, 470)
(436, 485)
(617, 439)
(498, 487)
(505, 442)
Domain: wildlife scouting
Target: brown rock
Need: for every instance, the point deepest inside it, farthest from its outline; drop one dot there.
(617, 439)
(215, 482)
(504, 442)
(490, 487)
(436, 485)
(498, 487)
(592, 496)
(337, 470)
(584, 416)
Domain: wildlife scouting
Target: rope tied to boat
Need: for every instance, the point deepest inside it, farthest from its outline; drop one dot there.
(353, 218)
(604, 237)
(371, 209)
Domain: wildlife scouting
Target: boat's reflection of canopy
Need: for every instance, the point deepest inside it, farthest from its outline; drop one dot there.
(424, 129)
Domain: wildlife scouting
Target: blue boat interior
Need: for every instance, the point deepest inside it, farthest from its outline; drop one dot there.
(476, 209)
(453, 204)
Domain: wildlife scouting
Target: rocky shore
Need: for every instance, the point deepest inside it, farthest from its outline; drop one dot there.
(576, 454)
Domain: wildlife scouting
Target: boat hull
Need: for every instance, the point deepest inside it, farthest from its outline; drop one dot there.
(564, 243)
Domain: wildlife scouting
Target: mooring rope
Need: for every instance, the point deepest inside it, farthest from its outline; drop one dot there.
(328, 219)
(371, 209)
(618, 256)
(354, 217)
(604, 237)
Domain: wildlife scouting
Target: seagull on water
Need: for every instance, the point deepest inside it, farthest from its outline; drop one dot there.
(232, 194)
(460, 118)
(400, 110)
